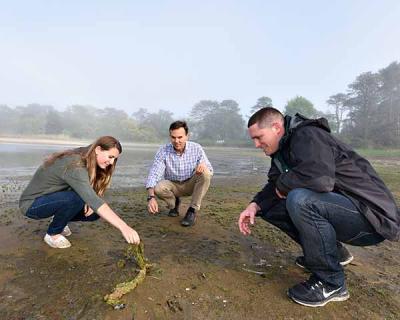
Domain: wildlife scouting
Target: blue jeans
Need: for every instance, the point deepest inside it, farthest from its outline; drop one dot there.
(65, 206)
(317, 221)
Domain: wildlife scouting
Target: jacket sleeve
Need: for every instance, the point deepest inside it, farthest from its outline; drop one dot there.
(311, 152)
(267, 197)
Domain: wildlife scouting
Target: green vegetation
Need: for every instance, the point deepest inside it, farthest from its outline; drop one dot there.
(390, 174)
(136, 252)
(367, 116)
(380, 153)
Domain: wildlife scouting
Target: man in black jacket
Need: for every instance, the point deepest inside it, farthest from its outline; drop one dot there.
(320, 192)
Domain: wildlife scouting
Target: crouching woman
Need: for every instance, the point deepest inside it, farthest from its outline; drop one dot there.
(69, 186)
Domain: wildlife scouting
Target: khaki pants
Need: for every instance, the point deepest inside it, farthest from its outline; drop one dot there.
(196, 187)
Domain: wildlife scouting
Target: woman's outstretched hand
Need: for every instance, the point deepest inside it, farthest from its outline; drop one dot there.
(130, 235)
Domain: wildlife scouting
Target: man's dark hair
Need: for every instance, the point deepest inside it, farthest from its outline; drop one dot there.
(265, 117)
(179, 124)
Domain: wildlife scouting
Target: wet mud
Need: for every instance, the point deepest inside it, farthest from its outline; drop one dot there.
(209, 271)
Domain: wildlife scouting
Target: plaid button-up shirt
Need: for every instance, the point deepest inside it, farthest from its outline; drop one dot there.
(169, 165)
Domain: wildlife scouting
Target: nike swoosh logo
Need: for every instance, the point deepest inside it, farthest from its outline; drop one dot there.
(328, 294)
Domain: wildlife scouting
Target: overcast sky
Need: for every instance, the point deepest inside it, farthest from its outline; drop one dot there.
(172, 54)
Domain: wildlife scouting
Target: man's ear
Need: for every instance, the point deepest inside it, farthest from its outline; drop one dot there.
(278, 128)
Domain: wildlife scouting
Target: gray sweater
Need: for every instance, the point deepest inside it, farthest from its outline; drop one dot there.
(64, 174)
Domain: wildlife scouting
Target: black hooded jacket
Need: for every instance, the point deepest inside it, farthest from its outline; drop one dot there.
(310, 157)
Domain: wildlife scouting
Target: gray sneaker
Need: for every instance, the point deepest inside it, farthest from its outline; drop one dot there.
(315, 293)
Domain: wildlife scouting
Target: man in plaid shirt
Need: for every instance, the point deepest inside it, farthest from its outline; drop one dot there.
(180, 168)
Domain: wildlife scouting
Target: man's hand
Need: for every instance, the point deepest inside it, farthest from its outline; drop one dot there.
(152, 206)
(88, 210)
(246, 218)
(202, 167)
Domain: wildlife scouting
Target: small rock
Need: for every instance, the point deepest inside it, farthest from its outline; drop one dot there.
(120, 306)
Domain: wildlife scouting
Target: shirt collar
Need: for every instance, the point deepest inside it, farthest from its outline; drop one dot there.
(172, 149)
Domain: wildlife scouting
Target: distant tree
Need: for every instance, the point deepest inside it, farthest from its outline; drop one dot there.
(153, 126)
(363, 101)
(160, 121)
(229, 106)
(228, 122)
(338, 101)
(141, 115)
(202, 109)
(54, 122)
(32, 118)
(262, 102)
(81, 121)
(218, 121)
(300, 105)
(111, 122)
(8, 120)
(388, 129)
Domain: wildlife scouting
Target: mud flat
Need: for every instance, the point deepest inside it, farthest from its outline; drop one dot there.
(209, 271)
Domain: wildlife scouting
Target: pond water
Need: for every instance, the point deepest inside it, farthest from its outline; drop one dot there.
(19, 162)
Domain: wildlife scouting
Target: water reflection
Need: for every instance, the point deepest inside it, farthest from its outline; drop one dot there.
(19, 162)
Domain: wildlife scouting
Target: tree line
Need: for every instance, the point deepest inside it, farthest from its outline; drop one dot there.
(366, 115)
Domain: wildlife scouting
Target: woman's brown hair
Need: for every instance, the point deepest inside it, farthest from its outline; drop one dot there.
(99, 178)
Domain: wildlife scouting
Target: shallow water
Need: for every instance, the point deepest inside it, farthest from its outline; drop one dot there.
(19, 162)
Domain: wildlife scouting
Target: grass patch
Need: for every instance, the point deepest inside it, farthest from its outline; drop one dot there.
(381, 153)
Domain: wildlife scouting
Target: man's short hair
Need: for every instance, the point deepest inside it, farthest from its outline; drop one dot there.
(265, 117)
(179, 124)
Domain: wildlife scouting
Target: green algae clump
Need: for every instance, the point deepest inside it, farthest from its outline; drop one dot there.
(136, 252)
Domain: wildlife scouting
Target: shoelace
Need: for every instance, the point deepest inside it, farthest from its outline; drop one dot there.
(313, 283)
(319, 283)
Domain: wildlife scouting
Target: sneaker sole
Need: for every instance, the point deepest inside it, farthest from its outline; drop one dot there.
(320, 304)
(54, 246)
(343, 263)
(173, 215)
(187, 225)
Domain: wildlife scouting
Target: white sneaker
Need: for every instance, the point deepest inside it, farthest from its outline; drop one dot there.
(66, 232)
(61, 242)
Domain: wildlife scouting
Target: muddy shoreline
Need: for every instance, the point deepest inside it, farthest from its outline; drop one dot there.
(209, 271)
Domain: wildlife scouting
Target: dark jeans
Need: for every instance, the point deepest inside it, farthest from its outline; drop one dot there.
(317, 221)
(65, 206)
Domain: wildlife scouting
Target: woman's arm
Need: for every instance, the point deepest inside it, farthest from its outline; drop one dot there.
(130, 235)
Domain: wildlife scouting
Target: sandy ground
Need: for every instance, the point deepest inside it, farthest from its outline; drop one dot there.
(204, 272)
